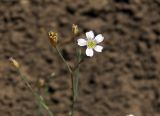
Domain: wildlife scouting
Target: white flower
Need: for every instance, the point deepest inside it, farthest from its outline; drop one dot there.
(91, 43)
(130, 115)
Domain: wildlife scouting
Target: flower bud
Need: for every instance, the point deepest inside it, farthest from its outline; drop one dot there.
(53, 38)
(75, 29)
(41, 82)
(14, 63)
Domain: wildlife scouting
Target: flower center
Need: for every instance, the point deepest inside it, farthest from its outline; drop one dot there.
(91, 44)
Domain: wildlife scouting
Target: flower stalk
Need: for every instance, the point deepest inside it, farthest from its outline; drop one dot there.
(72, 80)
(91, 42)
(74, 77)
(38, 97)
(63, 59)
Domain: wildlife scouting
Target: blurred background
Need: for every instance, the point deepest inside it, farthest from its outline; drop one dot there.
(123, 79)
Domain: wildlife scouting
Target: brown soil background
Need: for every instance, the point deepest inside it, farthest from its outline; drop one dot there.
(123, 79)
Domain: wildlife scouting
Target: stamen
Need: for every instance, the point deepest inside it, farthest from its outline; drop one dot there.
(91, 44)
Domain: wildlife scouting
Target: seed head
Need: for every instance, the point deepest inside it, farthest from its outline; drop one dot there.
(14, 63)
(75, 29)
(53, 38)
(41, 82)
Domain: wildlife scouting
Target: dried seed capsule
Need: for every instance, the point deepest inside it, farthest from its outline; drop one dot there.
(14, 63)
(75, 29)
(53, 38)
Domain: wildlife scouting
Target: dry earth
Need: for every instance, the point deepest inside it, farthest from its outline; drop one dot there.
(123, 79)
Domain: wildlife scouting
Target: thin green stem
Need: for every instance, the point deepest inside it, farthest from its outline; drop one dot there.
(76, 72)
(74, 78)
(38, 97)
(75, 82)
(73, 95)
(69, 68)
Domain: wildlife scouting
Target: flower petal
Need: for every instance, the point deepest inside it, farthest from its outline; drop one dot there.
(82, 42)
(99, 38)
(98, 48)
(90, 35)
(89, 52)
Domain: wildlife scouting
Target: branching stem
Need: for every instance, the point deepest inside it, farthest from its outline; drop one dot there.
(39, 98)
